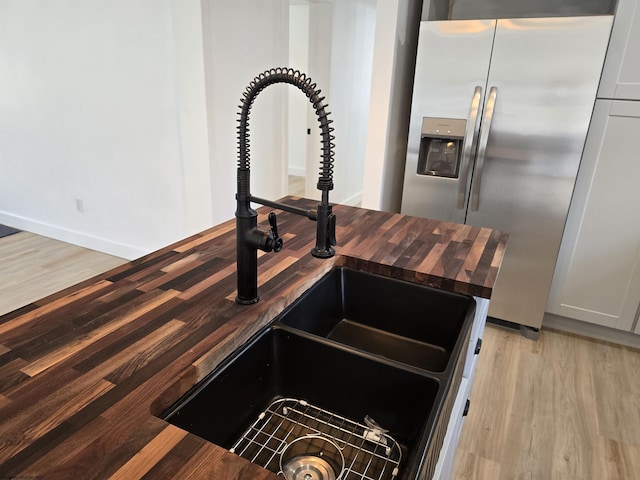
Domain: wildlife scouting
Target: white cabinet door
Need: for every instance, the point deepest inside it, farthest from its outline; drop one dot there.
(621, 74)
(597, 277)
(444, 467)
(475, 339)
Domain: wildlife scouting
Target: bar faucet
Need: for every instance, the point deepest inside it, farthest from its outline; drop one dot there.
(249, 238)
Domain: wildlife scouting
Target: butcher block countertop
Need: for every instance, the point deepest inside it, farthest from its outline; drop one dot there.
(83, 372)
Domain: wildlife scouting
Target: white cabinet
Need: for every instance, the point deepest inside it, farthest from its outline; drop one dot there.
(621, 74)
(597, 276)
(444, 467)
(475, 339)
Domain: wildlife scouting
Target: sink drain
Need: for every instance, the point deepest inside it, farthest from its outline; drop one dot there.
(308, 467)
(311, 457)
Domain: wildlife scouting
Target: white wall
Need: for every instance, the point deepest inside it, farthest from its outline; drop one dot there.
(351, 68)
(395, 47)
(127, 109)
(340, 58)
(103, 103)
(319, 69)
(297, 103)
(246, 38)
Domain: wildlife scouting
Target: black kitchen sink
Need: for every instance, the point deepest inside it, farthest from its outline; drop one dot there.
(367, 362)
(329, 383)
(398, 320)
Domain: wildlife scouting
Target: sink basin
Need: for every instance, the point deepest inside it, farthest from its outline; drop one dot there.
(279, 365)
(355, 356)
(405, 322)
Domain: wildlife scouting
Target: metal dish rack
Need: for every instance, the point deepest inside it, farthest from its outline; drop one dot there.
(369, 453)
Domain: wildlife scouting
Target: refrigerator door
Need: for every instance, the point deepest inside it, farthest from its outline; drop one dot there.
(450, 79)
(545, 73)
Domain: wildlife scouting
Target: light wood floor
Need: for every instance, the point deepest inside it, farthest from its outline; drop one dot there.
(563, 407)
(296, 186)
(32, 267)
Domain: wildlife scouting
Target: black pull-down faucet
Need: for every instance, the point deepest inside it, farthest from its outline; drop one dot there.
(248, 237)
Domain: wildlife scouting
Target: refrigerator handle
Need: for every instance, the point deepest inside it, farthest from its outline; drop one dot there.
(482, 148)
(470, 136)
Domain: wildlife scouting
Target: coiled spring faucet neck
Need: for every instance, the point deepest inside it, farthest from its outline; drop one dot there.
(248, 237)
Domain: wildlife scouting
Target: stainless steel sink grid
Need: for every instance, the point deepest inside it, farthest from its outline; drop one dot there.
(369, 453)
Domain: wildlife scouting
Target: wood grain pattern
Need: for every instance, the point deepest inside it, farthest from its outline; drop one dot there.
(150, 454)
(564, 407)
(54, 305)
(84, 370)
(81, 343)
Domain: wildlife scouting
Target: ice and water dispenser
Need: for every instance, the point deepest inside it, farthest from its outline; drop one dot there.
(441, 146)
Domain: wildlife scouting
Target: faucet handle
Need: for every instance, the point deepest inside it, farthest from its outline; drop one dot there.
(273, 223)
(332, 230)
(274, 239)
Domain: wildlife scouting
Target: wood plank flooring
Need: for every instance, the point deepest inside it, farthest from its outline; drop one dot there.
(564, 407)
(32, 267)
(296, 186)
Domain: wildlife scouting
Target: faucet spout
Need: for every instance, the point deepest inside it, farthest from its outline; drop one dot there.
(249, 239)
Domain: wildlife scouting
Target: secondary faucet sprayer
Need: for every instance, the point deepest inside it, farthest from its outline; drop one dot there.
(248, 237)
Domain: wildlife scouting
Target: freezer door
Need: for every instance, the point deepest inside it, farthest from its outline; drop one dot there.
(451, 71)
(544, 75)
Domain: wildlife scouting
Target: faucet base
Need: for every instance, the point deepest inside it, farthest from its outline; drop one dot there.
(243, 301)
(323, 253)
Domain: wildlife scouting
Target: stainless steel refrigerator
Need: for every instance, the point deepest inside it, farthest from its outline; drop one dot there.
(499, 116)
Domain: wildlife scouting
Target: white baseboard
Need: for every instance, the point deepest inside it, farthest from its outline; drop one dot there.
(352, 201)
(591, 330)
(74, 237)
(297, 171)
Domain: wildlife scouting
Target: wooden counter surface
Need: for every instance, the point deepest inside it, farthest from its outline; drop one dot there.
(84, 371)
